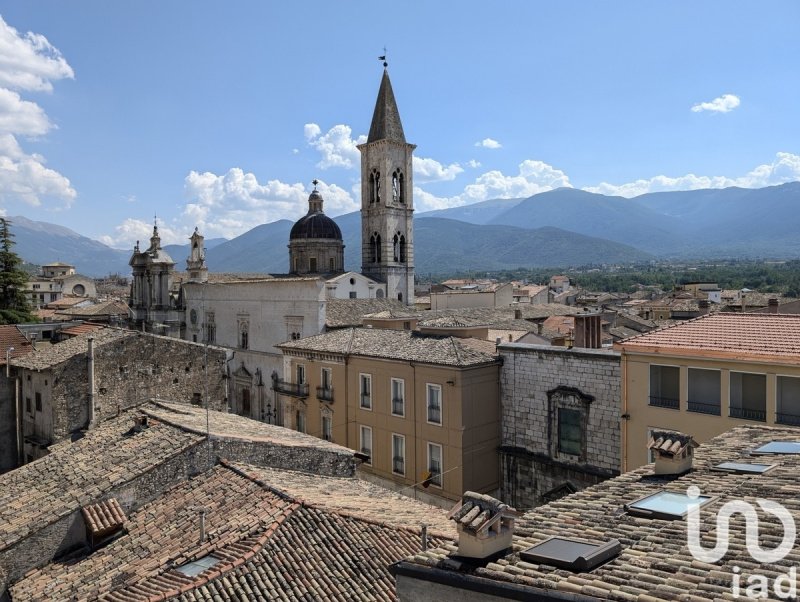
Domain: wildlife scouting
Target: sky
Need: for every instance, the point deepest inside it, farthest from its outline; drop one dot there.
(220, 114)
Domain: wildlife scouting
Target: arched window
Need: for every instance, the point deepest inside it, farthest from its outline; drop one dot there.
(375, 186)
(396, 247)
(402, 179)
(403, 256)
(373, 250)
(398, 187)
(330, 265)
(399, 296)
(244, 409)
(372, 187)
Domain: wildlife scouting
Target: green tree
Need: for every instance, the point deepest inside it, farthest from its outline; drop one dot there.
(14, 307)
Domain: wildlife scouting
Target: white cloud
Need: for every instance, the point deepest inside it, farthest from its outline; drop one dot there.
(132, 230)
(533, 177)
(473, 163)
(721, 104)
(489, 143)
(337, 146)
(230, 204)
(25, 177)
(785, 168)
(430, 170)
(28, 62)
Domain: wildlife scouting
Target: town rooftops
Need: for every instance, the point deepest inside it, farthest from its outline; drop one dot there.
(398, 345)
(104, 308)
(269, 534)
(10, 336)
(655, 562)
(746, 336)
(52, 355)
(343, 313)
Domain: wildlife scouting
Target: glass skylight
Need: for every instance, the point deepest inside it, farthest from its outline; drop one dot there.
(779, 447)
(743, 468)
(571, 554)
(194, 568)
(666, 505)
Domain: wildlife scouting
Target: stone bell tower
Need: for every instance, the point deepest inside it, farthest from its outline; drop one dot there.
(387, 203)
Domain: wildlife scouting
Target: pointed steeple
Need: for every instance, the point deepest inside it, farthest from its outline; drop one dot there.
(386, 123)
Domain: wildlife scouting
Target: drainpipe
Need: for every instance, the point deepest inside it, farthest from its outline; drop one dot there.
(625, 416)
(91, 383)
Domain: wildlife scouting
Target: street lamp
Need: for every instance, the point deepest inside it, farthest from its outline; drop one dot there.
(8, 357)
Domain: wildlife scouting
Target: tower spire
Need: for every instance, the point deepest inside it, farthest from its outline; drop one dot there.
(386, 124)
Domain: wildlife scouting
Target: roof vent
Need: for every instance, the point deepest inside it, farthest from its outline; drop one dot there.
(485, 525)
(674, 452)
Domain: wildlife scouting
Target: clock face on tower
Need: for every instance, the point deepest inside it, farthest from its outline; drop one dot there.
(193, 316)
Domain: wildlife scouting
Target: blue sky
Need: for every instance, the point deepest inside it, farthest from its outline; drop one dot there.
(219, 114)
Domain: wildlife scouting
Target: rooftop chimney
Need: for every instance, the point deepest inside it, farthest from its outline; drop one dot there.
(674, 451)
(540, 328)
(485, 525)
(703, 305)
(772, 306)
(517, 314)
(588, 332)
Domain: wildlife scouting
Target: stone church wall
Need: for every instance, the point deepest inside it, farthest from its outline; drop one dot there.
(536, 381)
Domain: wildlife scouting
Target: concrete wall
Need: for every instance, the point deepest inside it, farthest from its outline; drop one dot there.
(342, 286)
(536, 381)
(702, 427)
(502, 297)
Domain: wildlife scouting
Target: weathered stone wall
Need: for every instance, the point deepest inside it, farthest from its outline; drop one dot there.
(536, 381)
(130, 372)
(8, 423)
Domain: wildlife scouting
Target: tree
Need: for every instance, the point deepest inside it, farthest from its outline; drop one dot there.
(14, 307)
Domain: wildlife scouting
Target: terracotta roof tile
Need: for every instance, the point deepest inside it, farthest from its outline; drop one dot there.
(104, 517)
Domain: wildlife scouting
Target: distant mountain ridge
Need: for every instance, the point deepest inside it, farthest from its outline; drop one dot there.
(557, 228)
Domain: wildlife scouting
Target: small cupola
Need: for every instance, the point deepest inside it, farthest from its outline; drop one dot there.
(485, 525)
(673, 452)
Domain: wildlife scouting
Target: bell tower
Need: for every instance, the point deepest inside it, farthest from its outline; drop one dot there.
(387, 202)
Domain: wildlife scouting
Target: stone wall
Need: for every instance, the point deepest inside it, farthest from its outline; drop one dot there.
(133, 370)
(8, 423)
(538, 382)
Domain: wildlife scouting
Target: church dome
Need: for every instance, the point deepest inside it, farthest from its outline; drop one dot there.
(315, 224)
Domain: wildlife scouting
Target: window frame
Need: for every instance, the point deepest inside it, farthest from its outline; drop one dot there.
(300, 374)
(434, 387)
(402, 439)
(402, 398)
(361, 431)
(362, 378)
(562, 449)
(326, 383)
(436, 476)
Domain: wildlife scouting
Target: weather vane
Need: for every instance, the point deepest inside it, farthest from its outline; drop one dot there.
(383, 58)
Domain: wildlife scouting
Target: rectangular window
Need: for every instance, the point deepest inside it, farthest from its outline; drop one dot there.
(211, 329)
(665, 386)
(28, 407)
(366, 443)
(325, 378)
(704, 391)
(398, 397)
(38, 402)
(570, 431)
(748, 396)
(312, 264)
(366, 391)
(434, 403)
(300, 373)
(788, 395)
(354, 294)
(435, 463)
(398, 454)
(243, 339)
(327, 428)
(301, 421)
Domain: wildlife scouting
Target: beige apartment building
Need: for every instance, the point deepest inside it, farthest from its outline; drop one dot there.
(423, 410)
(709, 375)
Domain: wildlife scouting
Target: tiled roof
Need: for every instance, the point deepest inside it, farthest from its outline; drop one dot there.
(67, 302)
(232, 426)
(731, 335)
(41, 359)
(107, 308)
(77, 474)
(81, 328)
(655, 562)
(341, 313)
(10, 336)
(399, 345)
(270, 545)
(670, 442)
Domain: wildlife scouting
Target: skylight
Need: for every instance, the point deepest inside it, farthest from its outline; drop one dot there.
(194, 568)
(666, 505)
(779, 447)
(571, 554)
(743, 468)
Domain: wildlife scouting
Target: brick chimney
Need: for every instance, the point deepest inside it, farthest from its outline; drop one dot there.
(772, 306)
(674, 452)
(588, 331)
(485, 525)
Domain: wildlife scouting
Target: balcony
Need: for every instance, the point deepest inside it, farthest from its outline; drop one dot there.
(435, 414)
(787, 418)
(748, 414)
(664, 402)
(325, 394)
(704, 408)
(399, 465)
(292, 389)
(398, 407)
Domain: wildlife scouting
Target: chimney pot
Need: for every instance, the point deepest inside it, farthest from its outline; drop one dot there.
(772, 305)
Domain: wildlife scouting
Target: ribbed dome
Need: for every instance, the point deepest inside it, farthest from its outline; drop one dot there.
(315, 224)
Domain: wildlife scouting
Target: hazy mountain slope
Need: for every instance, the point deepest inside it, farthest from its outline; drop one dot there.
(41, 242)
(262, 249)
(477, 213)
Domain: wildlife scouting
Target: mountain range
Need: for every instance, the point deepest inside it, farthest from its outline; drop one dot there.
(557, 228)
